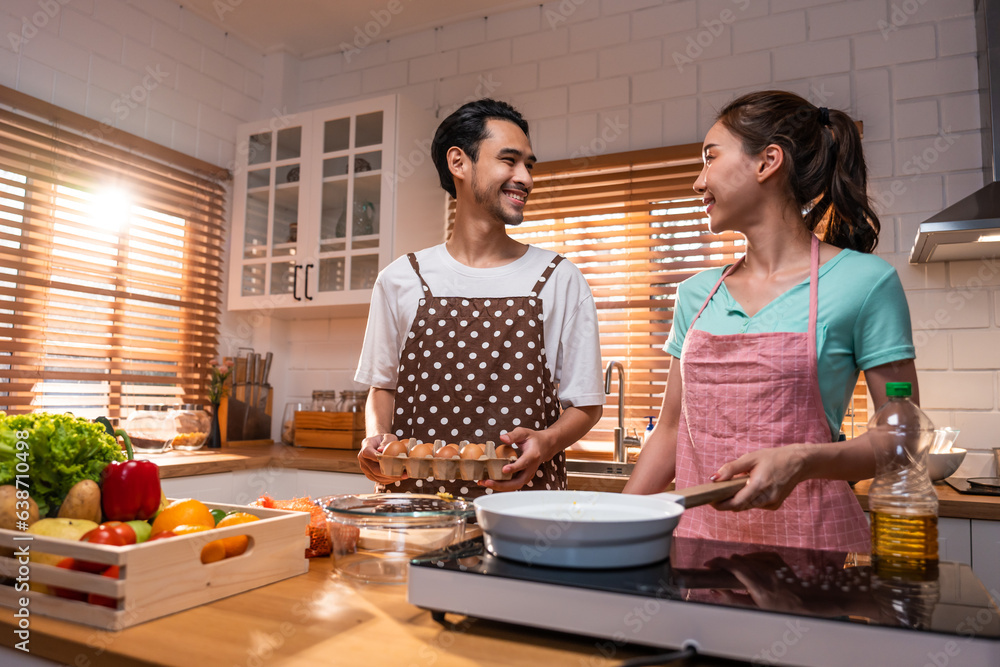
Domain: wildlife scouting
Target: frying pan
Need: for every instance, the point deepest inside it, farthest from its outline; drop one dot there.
(589, 529)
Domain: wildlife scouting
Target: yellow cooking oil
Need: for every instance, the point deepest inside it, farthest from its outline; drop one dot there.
(904, 544)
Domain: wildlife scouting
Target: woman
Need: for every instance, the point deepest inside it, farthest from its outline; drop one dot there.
(770, 347)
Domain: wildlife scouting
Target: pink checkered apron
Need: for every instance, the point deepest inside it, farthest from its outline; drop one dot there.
(746, 391)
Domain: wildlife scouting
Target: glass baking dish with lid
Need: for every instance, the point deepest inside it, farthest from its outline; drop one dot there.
(376, 535)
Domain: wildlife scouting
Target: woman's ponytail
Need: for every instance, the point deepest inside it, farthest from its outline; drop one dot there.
(851, 222)
(826, 171)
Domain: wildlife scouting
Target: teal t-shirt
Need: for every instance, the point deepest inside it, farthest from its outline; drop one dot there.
(863, 321)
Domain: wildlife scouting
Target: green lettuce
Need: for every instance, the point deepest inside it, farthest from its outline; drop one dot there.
(62, 450)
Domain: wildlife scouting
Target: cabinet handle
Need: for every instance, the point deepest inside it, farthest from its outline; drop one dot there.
(295, 282)
(305, 287)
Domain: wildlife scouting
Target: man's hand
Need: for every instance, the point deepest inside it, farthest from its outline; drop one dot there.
(533, 447)
(368, 458)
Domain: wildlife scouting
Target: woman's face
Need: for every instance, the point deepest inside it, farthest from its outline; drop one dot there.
(728, 181)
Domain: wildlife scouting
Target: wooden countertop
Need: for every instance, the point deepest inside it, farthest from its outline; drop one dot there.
(951, 503)
(313, 619)
(182, 464)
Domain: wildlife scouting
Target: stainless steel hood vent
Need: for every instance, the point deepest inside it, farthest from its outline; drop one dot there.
(970, 228)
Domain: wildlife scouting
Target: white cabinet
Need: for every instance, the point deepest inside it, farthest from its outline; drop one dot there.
(986, 555)
(325, 199)
(955, 540)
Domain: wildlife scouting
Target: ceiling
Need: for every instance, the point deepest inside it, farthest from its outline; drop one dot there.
(316, 27)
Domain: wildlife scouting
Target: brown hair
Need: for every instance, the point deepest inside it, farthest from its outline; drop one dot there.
(824, 161)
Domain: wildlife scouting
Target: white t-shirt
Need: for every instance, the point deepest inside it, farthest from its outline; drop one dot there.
(572, 343)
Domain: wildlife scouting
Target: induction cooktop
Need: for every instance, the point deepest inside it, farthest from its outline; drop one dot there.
(756, 603)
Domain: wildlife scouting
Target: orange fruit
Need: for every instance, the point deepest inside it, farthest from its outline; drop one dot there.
(238, 544)
(212, 551)
(185, 511)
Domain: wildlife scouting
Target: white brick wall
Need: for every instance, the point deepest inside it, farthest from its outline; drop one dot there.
(94, 56)
(659, 67)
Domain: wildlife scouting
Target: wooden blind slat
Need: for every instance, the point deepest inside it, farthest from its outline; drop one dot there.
(100, 308)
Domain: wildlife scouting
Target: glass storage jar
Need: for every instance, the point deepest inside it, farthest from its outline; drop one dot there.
(150, 428)
(324, 400)
(191, 424)
(353, 401)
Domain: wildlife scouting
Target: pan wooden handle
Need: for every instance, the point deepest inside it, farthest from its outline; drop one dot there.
(711, 492)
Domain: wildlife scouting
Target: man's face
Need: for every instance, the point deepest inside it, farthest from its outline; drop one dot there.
(501, 177)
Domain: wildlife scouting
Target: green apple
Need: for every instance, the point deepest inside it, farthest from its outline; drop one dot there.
(142, 530)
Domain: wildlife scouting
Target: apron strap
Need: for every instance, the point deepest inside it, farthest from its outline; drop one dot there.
(813, 297)
(725, 274)
(537, 289)
(813, 317)
(416, 269)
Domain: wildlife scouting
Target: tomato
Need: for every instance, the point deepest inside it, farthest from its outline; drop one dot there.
(68, 564)
(122, 529)
(93, 598)
(114, 533)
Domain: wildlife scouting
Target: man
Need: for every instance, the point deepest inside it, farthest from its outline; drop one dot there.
(483, 337)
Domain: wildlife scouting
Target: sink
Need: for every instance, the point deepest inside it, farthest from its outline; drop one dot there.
(599, 468)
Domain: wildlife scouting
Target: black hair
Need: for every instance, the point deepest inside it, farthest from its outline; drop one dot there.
(466, 129)
(825, 165)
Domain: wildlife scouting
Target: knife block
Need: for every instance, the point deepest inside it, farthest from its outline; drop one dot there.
(329, 430)
(235, 429)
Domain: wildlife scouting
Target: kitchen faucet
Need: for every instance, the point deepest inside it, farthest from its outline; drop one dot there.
(621, 440)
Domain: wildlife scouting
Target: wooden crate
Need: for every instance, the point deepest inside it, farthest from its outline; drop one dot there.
(160, 577)
(329, 430)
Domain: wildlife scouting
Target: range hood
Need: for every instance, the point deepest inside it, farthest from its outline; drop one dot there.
(970, 228)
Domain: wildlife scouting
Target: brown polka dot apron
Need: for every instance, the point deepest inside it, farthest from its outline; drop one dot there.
(471, 369)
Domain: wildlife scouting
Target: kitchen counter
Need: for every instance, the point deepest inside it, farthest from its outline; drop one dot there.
(314, 619)
(183, 464)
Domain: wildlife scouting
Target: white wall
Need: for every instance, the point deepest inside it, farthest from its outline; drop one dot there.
(591, 76)
(144, 66)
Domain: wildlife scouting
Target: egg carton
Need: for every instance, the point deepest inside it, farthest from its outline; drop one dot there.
(430, 465)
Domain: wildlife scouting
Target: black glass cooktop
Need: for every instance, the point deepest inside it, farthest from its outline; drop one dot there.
(802, 582)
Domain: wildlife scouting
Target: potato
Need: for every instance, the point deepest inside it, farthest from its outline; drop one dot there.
(82, 502)
(9, 511)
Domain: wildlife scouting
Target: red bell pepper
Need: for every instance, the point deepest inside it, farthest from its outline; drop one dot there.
(130, 489)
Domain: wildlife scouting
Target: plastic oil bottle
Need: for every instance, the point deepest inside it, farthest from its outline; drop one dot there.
(903, 504)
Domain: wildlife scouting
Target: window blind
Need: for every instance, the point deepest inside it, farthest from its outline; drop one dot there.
(111, 268)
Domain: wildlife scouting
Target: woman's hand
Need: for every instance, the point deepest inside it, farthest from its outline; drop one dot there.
(368, 459)
(774, 473)
(533, 447)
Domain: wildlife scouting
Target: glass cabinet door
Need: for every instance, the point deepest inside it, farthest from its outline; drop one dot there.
(351, 202)
(271, 221)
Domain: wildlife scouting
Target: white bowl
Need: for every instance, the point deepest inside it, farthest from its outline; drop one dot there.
(944, 464)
